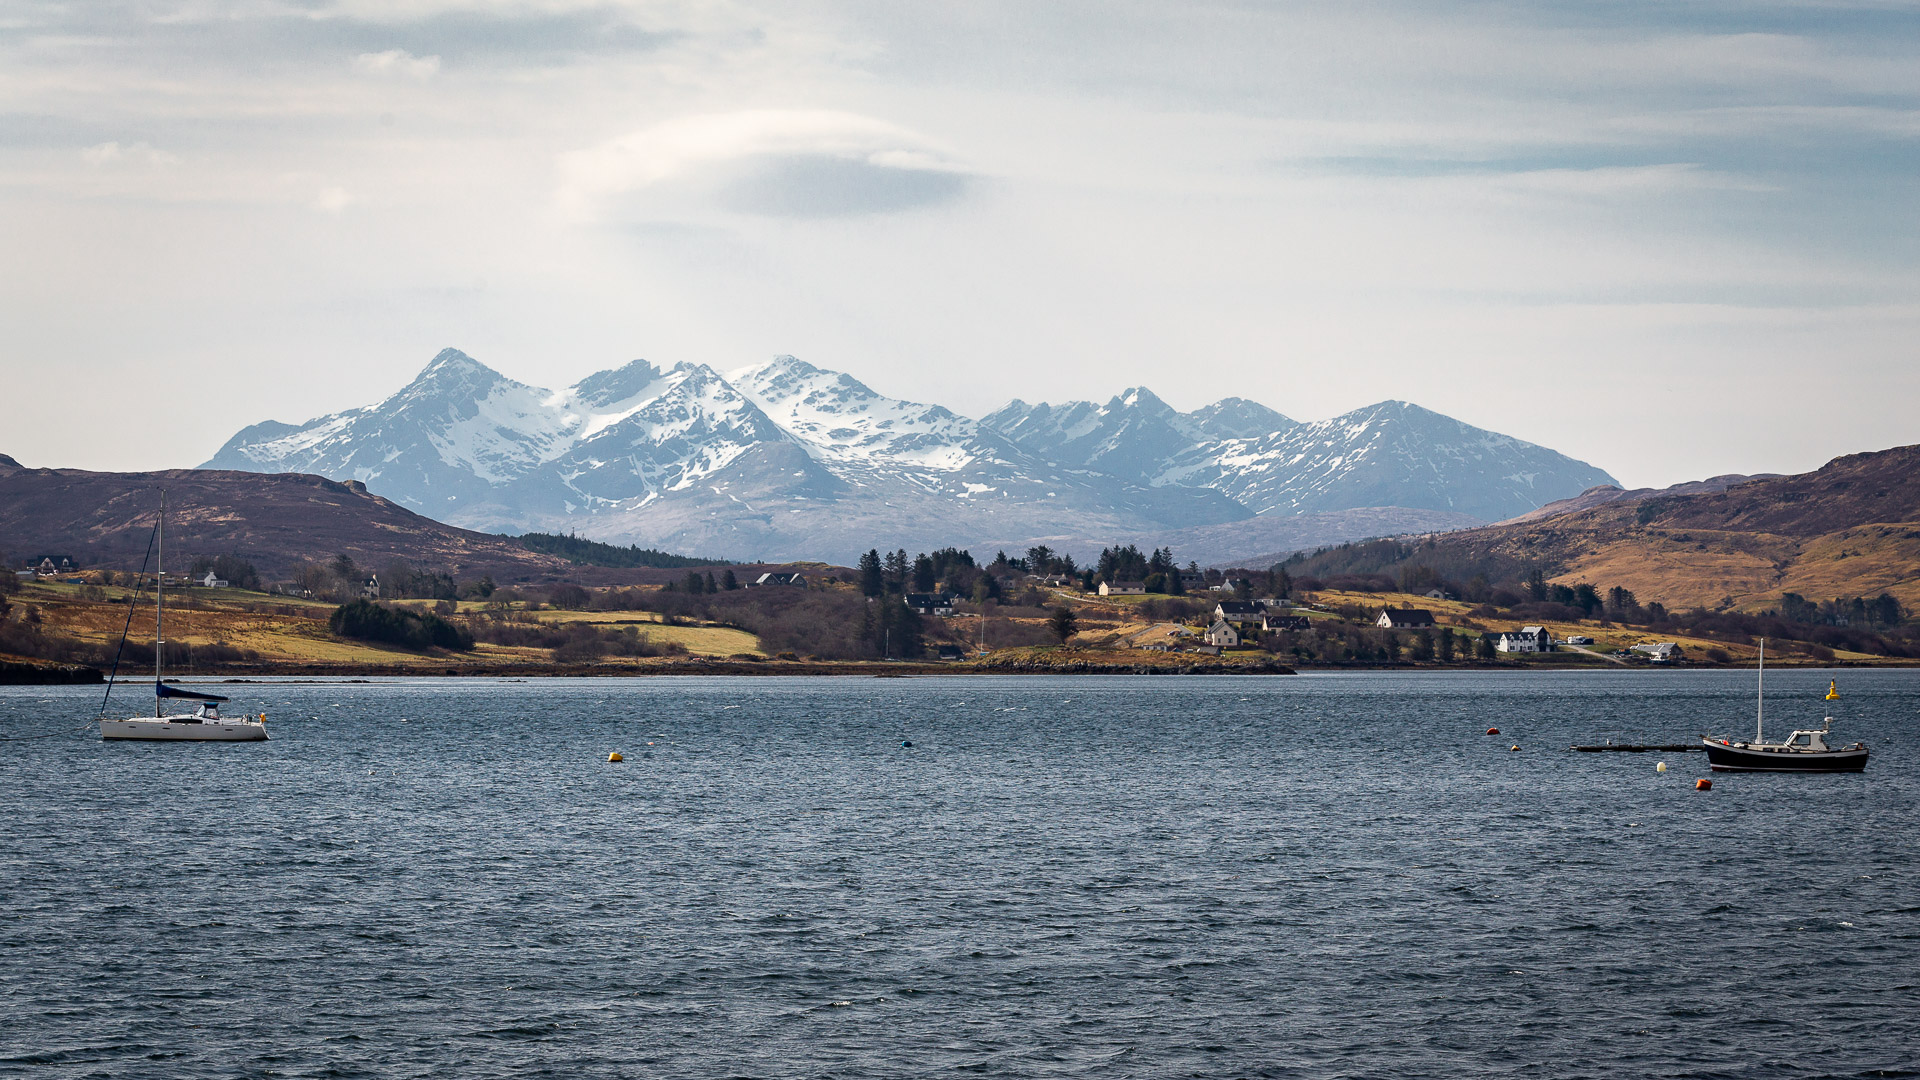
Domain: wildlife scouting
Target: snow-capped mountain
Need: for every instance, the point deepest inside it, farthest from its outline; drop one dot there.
(786, 460)
(1389, 454)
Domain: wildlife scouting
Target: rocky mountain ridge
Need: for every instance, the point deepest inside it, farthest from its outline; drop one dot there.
(787, 460)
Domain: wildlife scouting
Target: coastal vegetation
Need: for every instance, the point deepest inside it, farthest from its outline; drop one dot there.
(578, 550)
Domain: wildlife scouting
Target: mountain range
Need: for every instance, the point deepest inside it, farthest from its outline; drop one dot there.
(784, 460)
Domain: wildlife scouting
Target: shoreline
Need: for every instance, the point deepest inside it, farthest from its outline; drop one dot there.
(75, 675)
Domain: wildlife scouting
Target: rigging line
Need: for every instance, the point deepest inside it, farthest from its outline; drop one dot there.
(139, 587)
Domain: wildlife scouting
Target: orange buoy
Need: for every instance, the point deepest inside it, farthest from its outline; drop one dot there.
(1703, 784)
(1493, 731)
(1515, 746)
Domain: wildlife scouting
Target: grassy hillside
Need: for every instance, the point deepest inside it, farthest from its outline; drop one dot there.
(1849, 529)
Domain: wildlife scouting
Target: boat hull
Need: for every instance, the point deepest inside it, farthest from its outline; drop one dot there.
(1722, 757)
(160, 730)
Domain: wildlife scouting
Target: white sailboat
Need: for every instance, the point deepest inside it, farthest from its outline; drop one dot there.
(204, 723)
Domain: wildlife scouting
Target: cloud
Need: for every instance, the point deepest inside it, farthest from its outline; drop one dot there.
(111, 153)
(332, 200)
(774, 162)
(397, 62)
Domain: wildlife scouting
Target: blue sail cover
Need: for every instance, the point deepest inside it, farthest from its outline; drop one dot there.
(161, 689)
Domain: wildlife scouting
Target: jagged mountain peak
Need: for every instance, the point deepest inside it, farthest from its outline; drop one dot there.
(1138, 397)
(616, 384)
(784, 457)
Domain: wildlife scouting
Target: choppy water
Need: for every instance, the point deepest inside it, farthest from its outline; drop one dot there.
(1322, 876)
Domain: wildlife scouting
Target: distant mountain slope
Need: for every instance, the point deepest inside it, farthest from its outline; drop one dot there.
(787, 460)
(1850, 528)
(275, 521)
(1602, 494)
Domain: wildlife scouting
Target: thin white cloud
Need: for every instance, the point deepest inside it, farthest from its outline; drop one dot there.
(739, 158)
(113, 153)
(398, 62)
(332, 200)
(1626, 181)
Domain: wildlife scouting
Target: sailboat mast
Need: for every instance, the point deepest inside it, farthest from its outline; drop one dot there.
(159, 598)
(1760, 695)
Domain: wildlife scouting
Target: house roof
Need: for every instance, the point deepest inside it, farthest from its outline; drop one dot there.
(1238, 607)
(1412, 615)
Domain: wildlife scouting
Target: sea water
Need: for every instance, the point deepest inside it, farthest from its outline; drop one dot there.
(1315, 876)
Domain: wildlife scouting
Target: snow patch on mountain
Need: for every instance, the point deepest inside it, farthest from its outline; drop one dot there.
(785, 459)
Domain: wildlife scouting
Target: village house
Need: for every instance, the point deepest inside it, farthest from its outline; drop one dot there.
(1224, 634)
(1193, 580)
(798, 581)
(1438, 594)
(1528, 639)
(931, 603)
(1663, 652)
(212, 582)
(371, 590)
(1404, 619)
(1286, 622)
(1238, 611)
(1122, 588)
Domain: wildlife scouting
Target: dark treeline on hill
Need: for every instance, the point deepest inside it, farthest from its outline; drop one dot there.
(232, 569)
(365, 620)
(595, 553)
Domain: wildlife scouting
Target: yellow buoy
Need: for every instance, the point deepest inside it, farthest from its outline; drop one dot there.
(1662, 767)
(1515, 746)
(615, 756)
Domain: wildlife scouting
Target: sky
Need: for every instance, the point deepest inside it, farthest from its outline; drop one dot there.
(1673, 239)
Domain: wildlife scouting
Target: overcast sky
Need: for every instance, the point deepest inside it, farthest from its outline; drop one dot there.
(1673, 239)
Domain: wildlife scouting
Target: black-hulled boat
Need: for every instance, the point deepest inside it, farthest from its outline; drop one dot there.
(1802, 751)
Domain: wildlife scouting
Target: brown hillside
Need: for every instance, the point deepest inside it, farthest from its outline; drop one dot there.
(1850, 528)
(275, 520)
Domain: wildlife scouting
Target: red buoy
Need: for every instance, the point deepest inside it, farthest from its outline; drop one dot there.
(1703, 784)
(1493, 731)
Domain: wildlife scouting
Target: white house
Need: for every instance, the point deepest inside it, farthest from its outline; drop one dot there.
(212, 582)
(1223, 634)
(1237, 611)
(371, 590)
(1122, 588)
(1529, 639)
(1404, 619)
(931, 603)
(798, 581)
(1663, 652)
